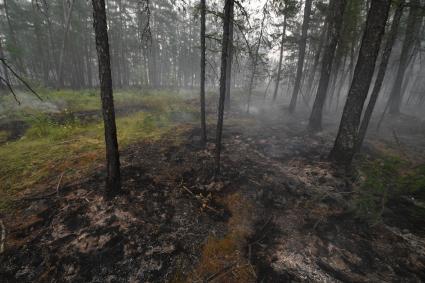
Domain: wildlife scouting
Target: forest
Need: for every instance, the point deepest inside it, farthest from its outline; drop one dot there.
(212, 141)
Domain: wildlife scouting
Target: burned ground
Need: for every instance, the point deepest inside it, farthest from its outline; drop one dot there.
(280, 212)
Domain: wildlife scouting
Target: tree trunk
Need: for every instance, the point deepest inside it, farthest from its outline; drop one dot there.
(39, 40)
(113, 181)
(254, 58)
(5, 70)
(381, 74)
(229, 64)
(17, 59)
(334, 19)
(64, 42)
(316, 62)
(203, 116)
(228, 10)
(301, 55)
(345, 143)
(412, 30)
(279, 67)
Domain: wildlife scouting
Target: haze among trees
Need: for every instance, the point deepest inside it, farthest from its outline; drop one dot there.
(212, 141)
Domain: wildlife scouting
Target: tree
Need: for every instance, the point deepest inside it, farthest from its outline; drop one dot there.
(67, 15)
(301, 55)
(5, 74)
(334, 21)
(203, 48)
(345, 143)
(229, 63)
(113, 181)
(381, 73)
(412, 30)
(228, 8)
(254, 58)
(279, 66)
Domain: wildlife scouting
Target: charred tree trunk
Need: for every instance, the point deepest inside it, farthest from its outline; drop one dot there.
(334, 19)
(228, 8)
(345, 143)
(203, 48)
(381, 74)
(412, 30)
(279, 67)
(301, 55)
(113, 181)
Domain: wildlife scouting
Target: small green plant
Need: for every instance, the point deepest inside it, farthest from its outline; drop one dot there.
(387, 179)
(380, 181)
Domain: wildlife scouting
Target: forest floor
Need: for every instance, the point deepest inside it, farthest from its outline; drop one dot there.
(279, 211)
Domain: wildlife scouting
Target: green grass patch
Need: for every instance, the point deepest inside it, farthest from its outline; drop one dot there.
(53, 146)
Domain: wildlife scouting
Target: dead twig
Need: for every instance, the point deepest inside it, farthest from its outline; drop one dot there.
(203, 200)
(59, 183)
(3, 236)
(221, 272)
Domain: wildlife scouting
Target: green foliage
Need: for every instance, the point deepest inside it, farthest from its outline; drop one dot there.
(58, 142)
(383, 180)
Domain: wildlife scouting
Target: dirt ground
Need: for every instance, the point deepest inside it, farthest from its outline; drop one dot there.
(279, 213)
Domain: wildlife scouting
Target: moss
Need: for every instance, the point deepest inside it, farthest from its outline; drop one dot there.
(220, 254)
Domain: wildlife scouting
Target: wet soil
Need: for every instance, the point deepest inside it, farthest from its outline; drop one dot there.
(302, 227)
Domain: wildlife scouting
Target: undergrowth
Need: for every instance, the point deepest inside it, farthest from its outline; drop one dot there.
(52, 147)
(385, 179)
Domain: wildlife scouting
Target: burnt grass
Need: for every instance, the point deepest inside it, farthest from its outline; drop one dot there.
(301, 225)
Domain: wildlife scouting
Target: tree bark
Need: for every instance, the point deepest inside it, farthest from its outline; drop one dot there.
(334, 19)
(381, 73)
(345, 143)
(228, 8)
(113, 181)
(412, 30)
(301, 55)
(203, 51)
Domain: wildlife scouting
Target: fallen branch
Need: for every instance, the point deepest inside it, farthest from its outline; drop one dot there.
(20, 79)
(221, 272)
(59, 183)
(3, 236)
(11, 90)
(203, 200)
